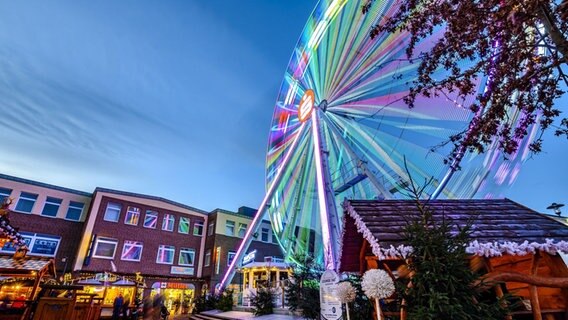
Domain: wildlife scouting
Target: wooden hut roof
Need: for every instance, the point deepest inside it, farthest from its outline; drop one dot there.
(500, 225)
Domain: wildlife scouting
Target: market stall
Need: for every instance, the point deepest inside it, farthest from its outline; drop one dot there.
(19, 284)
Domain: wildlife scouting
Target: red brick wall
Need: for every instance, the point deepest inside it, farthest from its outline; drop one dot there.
(151, 239)
(69, 231)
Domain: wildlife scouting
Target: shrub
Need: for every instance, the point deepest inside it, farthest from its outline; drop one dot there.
(302, 291)
(225, 301)
(263, 302)
(205, 302)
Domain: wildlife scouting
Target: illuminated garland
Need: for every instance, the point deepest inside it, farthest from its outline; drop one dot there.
(485, 249)
(7, 231)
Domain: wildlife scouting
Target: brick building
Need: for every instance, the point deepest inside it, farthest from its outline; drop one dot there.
(50, 218)
(132, 235)
(225, 232)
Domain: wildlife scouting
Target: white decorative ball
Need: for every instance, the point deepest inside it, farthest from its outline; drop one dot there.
(377, 283)
(345, 292)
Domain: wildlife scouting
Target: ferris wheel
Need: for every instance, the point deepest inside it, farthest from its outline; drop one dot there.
(341, 130)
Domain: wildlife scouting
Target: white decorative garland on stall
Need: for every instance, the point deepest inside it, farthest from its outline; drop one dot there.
(487, 249)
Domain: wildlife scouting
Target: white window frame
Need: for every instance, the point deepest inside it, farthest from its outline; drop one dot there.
(191, 252)
(227, 223)
(229, 254)
(267, 234)
(24, 196)
(211, 229)
(196, 227)
(188, 221)
(73, 206)
(241, 228)
(164, 247)
(109, 204)
(130, 209)
(152, 212)
(108, 241)
(166, 217)
(3, 194)
(217, 260)
(40, 237)
(50, 201)
(207, 261)
(132, 243)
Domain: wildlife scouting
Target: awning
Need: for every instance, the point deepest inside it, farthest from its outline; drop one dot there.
(25, 266)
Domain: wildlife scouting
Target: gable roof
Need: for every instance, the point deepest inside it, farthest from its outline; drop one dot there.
(499, 225)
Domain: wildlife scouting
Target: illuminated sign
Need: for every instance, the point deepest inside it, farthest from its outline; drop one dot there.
(249, 257)
(182, 270)
(306, 105)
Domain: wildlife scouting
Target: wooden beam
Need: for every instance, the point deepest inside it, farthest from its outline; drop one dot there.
(558, 269)
(362, 260)
(498, 289)
(533, 289)
(524, 278)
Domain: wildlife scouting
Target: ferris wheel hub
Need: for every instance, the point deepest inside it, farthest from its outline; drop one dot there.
(306, 105)
(323, 105)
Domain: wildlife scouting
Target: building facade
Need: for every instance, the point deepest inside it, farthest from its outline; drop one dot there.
(147, 239)
(225, 231)
(50, 218)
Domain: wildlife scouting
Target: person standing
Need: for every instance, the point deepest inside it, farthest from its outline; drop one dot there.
(125, 306)
(117, 306)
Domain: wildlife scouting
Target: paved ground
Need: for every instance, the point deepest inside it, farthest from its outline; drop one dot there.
(241, 315)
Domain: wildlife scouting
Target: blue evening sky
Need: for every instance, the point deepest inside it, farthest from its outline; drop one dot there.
(168, 98)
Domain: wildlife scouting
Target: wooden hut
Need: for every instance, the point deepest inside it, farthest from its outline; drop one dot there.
(519, 246)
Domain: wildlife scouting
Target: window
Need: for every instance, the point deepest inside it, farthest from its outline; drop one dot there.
(26, 202)
(183, 226)
(75, 210)
(39, 244)
(151, 219)
(112, 212)
(44, 245)
(211, 229)
(132, 216)
(230, 257)
(198, 228)
(274, 240)
(51, 207)
(186, 257)
(131, 251)
(230, 228)
(242, 229)
(166, 254)
(168, 223)
(264, 235)
(207, 258)
(105, 248)
(4, 194)
(217, 260)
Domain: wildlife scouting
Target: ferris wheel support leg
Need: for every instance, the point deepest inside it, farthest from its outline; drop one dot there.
(326, 197)
(255, 224)
(362, 164)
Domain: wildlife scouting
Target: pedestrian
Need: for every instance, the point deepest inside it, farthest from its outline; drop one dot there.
(125, 307)
(117, 306)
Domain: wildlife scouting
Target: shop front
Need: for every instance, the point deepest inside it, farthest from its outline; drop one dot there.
(177, 296)
(272, 273)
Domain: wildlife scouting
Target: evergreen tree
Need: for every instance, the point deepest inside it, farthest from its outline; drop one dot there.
(443, 285)
(302, 291)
